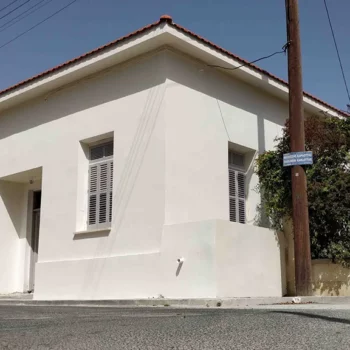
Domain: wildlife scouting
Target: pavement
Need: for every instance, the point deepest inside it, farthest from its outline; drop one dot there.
(283, 327)
(227, 303)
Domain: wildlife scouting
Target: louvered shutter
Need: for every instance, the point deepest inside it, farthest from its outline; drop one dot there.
(110, 193)
(93, 193)
(232, 188)
(241, 197)
(236, 188)
(100, 186)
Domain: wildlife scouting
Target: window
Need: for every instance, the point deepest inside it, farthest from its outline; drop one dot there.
(100, 186)
(236, 187)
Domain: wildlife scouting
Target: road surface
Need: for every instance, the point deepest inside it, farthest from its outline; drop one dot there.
(45, 327)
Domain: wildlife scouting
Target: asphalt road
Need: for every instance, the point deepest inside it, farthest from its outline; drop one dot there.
(36, 327)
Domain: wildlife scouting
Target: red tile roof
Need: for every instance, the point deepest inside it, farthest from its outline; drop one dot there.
(169, 20)
(77, 59)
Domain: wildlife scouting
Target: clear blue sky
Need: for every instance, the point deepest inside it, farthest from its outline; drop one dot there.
(248, 28)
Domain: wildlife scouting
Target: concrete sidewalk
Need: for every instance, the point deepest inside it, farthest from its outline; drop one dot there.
(229, 303)
(16, 296)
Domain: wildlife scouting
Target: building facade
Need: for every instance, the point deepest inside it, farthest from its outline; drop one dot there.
(129, 173)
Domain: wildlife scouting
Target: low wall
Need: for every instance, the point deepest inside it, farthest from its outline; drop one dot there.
(221, 259)
(330, 279)
(116, 277)
(248, 261)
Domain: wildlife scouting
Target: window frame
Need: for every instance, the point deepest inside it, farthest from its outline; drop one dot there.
(237, 171)
(106, 187)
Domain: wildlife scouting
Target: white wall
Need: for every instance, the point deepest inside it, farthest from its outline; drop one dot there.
(197, 102)
(12, 233)
(196, 277)
(47, 133)
(115, 277)
(221, 259)
(248, 261)
(170, 161)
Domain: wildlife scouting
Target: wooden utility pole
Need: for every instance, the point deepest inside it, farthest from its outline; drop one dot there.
(302, 253)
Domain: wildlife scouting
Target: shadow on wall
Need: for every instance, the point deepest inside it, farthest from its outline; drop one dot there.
(12, 197)
(233, 92)
(261, 218)
(330, 279)
(230, 90)
(111, 84)
(282, 245)
(179, 267)
(129, 176)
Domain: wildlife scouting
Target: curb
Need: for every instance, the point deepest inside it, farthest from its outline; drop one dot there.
(227, 303)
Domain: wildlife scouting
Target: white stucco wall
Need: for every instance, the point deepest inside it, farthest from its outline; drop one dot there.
(12, 199)
(170, 169)
(248, 261)
(221, 259)
(197, 102)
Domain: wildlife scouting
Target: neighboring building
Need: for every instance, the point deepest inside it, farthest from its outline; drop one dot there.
(120, 162)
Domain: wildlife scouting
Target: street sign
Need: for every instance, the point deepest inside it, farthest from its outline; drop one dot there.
(297, 158)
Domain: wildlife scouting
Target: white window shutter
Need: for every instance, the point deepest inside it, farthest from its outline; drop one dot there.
(93, 192)
(233, 210)
(102, 209)
(232, 182)
(100, 186)
(232, 190)
(237, 196)
(241, 197)
(110, 192)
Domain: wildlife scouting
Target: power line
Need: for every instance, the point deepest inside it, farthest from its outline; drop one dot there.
(38, 24)
(223, 120)
(336, 48)
(4, 8)
(284, 49)
(19, 6)
(21, 14)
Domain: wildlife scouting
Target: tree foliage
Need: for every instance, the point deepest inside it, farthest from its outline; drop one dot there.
(328, 185)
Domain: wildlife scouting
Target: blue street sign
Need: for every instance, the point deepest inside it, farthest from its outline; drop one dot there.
(297, 158)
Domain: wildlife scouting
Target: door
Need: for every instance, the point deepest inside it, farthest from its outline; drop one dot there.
(35, 235)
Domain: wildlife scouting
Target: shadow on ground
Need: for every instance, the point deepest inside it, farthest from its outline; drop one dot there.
(314, 316)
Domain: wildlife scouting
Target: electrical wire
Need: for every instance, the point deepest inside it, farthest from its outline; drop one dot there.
(24, 12)
(38, 24)
(4, 8)
(223, 120)
(284, 49)
(336, 48)
(19, 6)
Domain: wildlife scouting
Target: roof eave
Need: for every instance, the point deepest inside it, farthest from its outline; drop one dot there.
(118, 52)
(213, 55)
(149, 38)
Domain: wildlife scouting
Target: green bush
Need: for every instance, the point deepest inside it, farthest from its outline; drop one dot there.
(328, 186)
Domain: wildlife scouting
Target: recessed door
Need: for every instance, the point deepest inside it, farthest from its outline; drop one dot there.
(35, 235)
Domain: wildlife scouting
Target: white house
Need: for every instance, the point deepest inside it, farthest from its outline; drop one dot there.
(128, 173)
